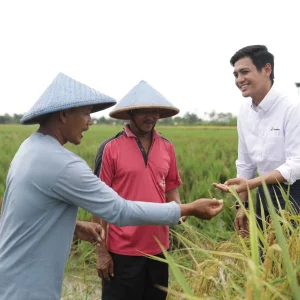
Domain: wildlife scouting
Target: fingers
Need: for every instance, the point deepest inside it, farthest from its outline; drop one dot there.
(216, 207)
(102, 271)
(101, 232)
(182, 219)
(100, 274)
(213, 208)
(233, 181)
(244, 230)
(236, 225)
(241, 226)
(216, 203)
(104, 264)
(98, 234)
(244, 233)
(225, 187)
(111, 269)
(105, 274)
(222, 186)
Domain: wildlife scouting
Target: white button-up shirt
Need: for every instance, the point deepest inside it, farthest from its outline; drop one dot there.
(269, 137)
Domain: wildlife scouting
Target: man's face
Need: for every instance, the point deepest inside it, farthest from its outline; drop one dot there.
(78, 120)
(146, 118)
(250, 82)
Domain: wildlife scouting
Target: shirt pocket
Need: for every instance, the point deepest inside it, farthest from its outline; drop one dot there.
(274, 148)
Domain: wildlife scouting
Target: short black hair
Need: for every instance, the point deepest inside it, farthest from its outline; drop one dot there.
(259, 54)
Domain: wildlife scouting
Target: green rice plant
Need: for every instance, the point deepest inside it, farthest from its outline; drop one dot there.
(11, 137)
(282, 242)
(233, 269)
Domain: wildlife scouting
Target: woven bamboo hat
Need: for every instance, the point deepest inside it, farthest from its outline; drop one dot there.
(64, 93)
(143, 96)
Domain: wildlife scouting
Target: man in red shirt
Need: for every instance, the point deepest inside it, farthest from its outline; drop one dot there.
(139, 164)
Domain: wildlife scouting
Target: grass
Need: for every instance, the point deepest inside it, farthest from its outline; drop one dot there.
(208, 260)
(233, 269)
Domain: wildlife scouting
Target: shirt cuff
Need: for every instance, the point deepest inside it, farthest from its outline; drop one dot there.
(177, 212)
(286, 174)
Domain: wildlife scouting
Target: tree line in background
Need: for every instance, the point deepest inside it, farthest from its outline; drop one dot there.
(189, 119)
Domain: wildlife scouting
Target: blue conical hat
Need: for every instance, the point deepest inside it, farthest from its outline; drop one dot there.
(143, 95)
(63, 93)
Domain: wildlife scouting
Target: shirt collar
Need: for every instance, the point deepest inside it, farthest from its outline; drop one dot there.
(268, 101)
(129, 133)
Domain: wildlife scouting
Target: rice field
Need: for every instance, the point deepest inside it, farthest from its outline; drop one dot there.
(207, 260)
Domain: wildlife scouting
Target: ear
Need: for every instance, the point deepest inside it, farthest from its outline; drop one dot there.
(268, 69)
(131, 115)
(63, 116)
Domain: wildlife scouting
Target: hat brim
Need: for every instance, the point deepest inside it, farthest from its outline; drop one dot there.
(40, 115)
(123, 113)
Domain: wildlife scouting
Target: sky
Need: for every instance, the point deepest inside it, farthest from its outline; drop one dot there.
(181, 48)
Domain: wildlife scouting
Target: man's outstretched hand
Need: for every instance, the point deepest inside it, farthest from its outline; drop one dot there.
(238, 184)
(202, 208)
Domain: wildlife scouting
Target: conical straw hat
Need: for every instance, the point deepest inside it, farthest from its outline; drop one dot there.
(143, 96)
(63, 93)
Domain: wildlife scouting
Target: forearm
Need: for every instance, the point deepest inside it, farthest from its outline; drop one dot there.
(243, 196)
(148, 213)
(185, 210)
(173, 195)
(269, 178)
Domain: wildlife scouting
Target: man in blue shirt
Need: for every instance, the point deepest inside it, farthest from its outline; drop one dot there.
(46, 184)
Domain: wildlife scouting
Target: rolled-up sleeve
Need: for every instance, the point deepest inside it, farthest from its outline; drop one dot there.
(77, 185)
(290, 170)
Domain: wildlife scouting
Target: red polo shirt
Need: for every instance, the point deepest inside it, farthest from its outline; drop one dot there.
(123, 165)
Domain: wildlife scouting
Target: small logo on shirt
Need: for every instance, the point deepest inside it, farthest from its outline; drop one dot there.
(275, 129)
(163, 182)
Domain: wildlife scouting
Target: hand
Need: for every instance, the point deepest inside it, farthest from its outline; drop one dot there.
(239, 184)
(241, 223)
(105, 264)
(182, 219)
(90, 232)
(203, 208)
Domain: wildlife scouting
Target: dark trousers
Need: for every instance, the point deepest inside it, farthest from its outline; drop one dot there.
(135, 279)
(275, 193)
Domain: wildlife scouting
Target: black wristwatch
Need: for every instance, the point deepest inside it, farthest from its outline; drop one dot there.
(237, 204)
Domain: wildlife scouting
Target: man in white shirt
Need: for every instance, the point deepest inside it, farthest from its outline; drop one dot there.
(269, 135)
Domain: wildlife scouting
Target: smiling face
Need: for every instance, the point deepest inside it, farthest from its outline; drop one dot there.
(145, 120)
(251, 82)
(78, 119)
